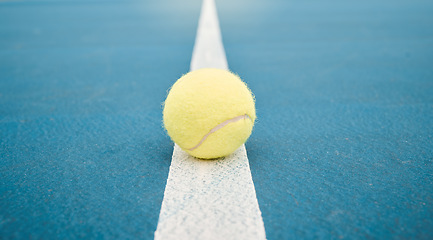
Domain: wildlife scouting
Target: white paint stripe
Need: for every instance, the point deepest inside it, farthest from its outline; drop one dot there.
(208, 48)
(209, 199)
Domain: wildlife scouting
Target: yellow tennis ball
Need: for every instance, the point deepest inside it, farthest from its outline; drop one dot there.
(209, 113)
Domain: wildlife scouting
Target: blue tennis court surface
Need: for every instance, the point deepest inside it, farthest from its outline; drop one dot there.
(343, 145)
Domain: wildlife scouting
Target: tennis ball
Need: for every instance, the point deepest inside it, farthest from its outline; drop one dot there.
(209, 113)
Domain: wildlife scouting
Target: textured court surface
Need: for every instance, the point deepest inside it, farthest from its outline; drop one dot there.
(343, 146)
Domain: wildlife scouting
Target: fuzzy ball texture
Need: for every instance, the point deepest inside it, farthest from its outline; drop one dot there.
(209, 113)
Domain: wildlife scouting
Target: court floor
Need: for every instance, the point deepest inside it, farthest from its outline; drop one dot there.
(342, 147)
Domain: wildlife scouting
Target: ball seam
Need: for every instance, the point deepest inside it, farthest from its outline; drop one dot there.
(219, 126)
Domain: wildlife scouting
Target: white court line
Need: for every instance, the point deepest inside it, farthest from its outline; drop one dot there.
(209, 199)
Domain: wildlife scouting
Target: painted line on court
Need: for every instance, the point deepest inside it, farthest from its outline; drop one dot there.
(209, 199)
